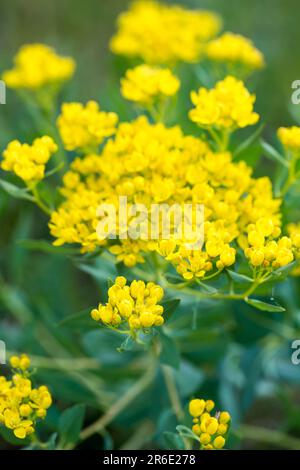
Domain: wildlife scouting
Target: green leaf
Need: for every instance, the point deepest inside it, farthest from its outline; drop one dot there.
(282, 272)
(15, 191)
(169, 307)
(184, 431)
(264, 306)
(169, 353)
(239, 278)
(248, 142)
(173, 441)
(127, 345)
(273, 154)
(45, 247)
(70, 424)
(80, 320)
(207, 288)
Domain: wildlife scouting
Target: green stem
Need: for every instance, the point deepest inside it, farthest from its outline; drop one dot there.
(292, 176)
(269, 436)
(39, 202)
(100, 424)
(173, 393)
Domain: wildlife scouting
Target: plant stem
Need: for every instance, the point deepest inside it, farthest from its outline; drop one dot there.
(269, 436)
(173, 393)
(291, 176)
(39, 201)
(142, 383)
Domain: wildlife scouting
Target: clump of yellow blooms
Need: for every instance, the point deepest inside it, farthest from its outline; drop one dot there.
(163, 34)
(290, 138)
(263, 249)
(22, 405)
(135, 306)
(233, 49)
(150, 163)
(294, 233)
(38, 65)
(146, 84)
(29, 161)
(228, 105)
(85, 127)
(211, 430)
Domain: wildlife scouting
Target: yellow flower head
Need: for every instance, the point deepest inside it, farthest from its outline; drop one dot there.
(28, 161)
(228, 105)
(21, 405)
(163, 34)
(145, 84)
(38, 65)
(290, 137)
(135, 306)
(83, 127)
(294, 234)
(210, 430)
(151, 164)
(233, 48)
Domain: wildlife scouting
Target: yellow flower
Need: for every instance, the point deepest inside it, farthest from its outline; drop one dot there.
(233, 48)
(163, 34)
(84, 127)
(265, 249)
(145, 84)
(135, 306)
(209, 429)
(290, 137)
(150, 163)
(20, 362)
(28, 161)
(21, 405)
(228, 105)
(38, 65)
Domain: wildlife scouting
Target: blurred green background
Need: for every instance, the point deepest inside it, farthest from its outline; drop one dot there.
(83, 31)
(236, 356)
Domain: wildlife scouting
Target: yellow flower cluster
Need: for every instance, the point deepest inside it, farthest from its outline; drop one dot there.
(211, 430)
(146, 84)
(294, 233)
(150, 163)
(235, 49)
(29, 161)
(162, 34)
(85, 127)
(21, 405)
(228, 105)
(135, 305)
(37, 65)
(263, 250)
(290, 137)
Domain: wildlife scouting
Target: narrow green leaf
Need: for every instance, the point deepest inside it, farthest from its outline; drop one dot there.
(186, 432)
(169, 307)
(80, 320)
(70, 424)
(15, 191)
(264, 306)
(239, 278)
(248, 142)
(273, 154)
(55, 170)
(46, 247)
(173, 441)
(169, 353)
(127, 345)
